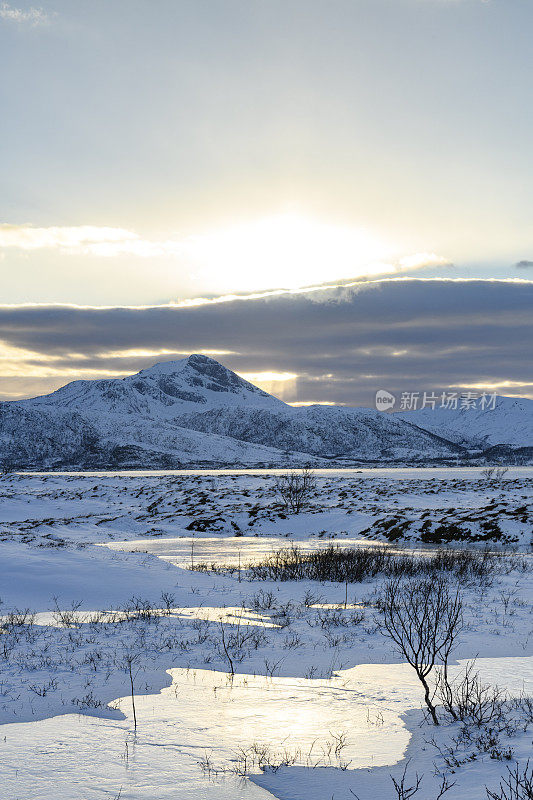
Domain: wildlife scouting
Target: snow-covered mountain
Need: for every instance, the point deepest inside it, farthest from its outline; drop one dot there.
(198, 412)
(162, 390)
(509, 422)
(35, 438)
(325, 431)
(134, 421)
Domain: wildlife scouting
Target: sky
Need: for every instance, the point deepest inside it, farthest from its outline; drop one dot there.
(329, 196)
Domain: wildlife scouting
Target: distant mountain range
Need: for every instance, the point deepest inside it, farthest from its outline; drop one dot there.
(196, 412)
(509, 423)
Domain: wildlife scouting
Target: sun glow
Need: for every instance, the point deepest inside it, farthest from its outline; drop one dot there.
(280, 384)
(285, 251)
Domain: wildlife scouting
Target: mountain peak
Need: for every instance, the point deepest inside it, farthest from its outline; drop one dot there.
(164, 389)
(200, 379)
(197, 371)
(196, 361)
(196, 410)
(201, 358)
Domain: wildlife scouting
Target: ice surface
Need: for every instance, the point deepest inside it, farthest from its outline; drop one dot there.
(206, 713)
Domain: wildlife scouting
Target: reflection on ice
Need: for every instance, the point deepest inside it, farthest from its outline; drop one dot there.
(205, 713)
(237, 551)
(400, 473)
(202, 712)
(230, 615)
(338, 606)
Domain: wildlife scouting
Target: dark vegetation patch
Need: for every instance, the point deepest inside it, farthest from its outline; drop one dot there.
(215, 524)
(470, 527)
(356, 564)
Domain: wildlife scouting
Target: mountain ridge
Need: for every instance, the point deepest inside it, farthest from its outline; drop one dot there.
(196, 411)
(509, 423)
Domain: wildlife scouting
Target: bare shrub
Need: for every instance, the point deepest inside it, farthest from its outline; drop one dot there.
(7, 466)
(295, 489)
(404, 791)
(424, 619)
(524, 705)
(138, 608)
(469, 700)
(517, 785)
(67, 618)
(262, 600)
(401, 787)
(236, 642)
(169, 601)
(355, 564)
(18, 618)
(310, 599)
(328, 753)
(45, 688)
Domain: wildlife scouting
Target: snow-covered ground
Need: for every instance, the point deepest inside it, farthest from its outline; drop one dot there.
(316, 687)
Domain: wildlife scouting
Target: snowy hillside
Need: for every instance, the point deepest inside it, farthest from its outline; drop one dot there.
(323, 431)
(49, 437)
(509, 422)
(196, 412)
(31, 437)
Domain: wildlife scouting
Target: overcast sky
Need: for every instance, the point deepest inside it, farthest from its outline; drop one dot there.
(155, 152)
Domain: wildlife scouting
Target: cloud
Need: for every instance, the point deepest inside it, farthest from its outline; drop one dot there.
(32, 16)
(340, 343)
(268, 257)
(423, 260)
(85, 240)
(285, 251)
(524, 264)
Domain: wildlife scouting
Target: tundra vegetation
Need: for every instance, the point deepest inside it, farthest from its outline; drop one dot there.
(295, 489)
(294, 611)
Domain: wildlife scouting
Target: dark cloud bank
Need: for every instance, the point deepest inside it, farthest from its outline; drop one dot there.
(345, 343)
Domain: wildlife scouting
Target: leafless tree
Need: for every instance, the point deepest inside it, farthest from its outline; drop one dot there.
(424, 619)
(130, 658)
(226, 649)
(494, 473)
(295, 488)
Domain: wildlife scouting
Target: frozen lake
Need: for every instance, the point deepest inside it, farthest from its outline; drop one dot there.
(400, 473)
(187, 551)
(204, 713)
(241, 551)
